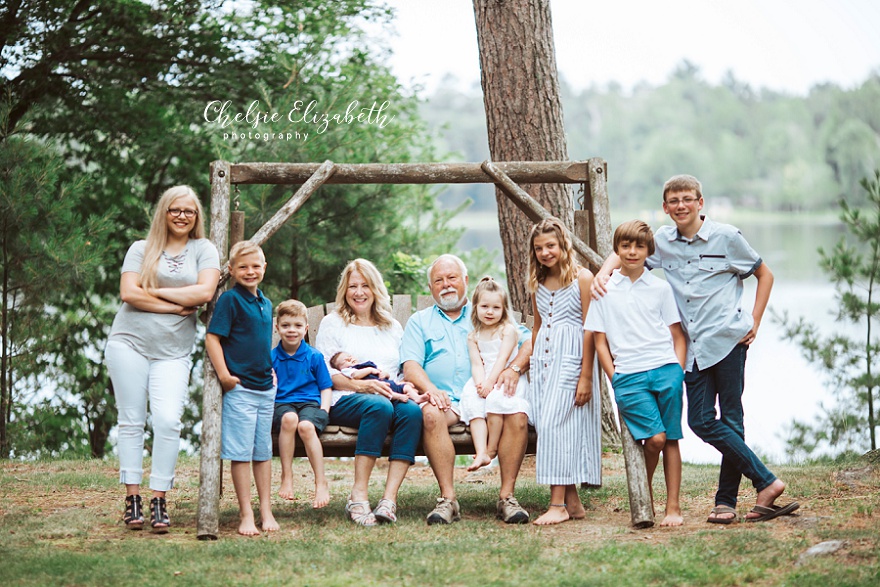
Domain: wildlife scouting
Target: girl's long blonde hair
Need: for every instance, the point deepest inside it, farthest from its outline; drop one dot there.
(157, 238)
(381, 310)
(568, 265)
(489, 285)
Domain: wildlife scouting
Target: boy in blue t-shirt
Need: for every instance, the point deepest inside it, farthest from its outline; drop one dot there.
(239, 341)
(302, 403)
(642, 349)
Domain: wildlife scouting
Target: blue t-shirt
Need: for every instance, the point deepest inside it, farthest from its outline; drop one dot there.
(243, 322)
(301, 376)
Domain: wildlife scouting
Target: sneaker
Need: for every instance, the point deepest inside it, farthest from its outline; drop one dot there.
(445, 512)
(509, 510)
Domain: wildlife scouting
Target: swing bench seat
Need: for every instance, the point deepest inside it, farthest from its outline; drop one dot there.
(340, 441)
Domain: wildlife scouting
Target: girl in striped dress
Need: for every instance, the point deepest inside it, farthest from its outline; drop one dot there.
(566, 415)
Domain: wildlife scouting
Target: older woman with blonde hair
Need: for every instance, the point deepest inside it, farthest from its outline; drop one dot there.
(164, 280)
(362, 326)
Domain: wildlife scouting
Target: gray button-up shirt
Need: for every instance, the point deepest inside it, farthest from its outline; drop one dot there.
(706, 275)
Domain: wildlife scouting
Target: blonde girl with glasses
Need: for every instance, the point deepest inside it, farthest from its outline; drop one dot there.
(164, 280)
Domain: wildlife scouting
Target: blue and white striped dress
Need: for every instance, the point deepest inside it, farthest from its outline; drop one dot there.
(569, 437)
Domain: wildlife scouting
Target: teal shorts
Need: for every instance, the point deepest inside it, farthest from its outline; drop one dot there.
(651, 401)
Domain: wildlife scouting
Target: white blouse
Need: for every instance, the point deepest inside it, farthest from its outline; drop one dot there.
(364, 343)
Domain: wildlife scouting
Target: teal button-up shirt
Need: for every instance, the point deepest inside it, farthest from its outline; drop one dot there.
(439, 345)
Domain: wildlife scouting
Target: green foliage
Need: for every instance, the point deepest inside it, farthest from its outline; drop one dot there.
(49, 254)
(750, 147)
(850, 363)
(121, 90)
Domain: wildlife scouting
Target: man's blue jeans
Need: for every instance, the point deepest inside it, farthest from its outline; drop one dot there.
(725, 381)
(375, 416)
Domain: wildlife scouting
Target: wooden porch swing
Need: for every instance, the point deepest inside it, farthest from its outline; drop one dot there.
(592, 224)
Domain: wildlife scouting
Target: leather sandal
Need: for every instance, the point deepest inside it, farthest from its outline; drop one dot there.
(385, 512)
(359, 512)
(133, 518)
(159, 520)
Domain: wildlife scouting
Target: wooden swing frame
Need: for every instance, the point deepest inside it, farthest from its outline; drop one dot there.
(591, 239)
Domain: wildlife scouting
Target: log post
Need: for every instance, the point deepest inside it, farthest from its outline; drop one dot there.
(641, 508)
(610, 433)
(210, 470)
(236, 227)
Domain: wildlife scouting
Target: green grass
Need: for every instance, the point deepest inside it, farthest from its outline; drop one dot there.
(59, 525)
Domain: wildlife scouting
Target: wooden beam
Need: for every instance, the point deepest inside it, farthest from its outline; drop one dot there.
(311, 185)
(410, 173)
(208, 518)
(531, 208)
(641, 508)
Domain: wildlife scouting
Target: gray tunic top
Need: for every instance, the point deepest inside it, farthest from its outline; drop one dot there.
(163, 336)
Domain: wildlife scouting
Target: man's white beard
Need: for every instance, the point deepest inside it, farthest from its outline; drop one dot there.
(450, 305)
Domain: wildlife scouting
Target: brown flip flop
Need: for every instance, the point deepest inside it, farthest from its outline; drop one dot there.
(722, 509)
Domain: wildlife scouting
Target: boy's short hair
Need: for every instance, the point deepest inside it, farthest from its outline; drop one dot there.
(242, 248)
(634, 231)
(682, 183)
(292, 308)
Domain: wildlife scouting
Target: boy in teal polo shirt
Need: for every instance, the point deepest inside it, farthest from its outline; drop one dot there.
(239, 341)
(302, 403)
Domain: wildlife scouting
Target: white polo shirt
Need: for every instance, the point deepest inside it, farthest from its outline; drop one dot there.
(635, 317)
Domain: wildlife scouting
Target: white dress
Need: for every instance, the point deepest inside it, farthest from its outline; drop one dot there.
(473, 406)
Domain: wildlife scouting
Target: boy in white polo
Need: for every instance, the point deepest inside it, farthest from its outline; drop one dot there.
(642, 348)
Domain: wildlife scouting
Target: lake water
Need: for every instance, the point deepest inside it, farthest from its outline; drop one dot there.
(780, 384)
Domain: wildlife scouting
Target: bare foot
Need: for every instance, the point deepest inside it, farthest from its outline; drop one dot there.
(767, 496)
(480, 460)
(269, 523)
(672, 519)
(322, 495)
(576, 511)
(553, 515)
(248, 527)
(286, 491)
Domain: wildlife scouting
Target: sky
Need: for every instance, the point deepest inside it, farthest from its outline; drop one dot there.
(783, 45)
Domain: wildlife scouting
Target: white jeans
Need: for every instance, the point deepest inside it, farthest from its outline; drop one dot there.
(134, 378)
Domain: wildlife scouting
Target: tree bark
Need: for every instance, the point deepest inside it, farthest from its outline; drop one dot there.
(523, 116)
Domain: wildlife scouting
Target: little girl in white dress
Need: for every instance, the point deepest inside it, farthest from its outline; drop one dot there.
(492, 345)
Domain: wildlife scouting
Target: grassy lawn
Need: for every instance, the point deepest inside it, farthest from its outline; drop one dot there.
(60, 525)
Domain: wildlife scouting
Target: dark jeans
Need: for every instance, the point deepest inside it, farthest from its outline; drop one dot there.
(375, 416)
(725, 381)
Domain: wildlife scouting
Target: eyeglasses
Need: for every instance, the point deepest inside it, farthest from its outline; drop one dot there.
(687, 201)
(176, 212)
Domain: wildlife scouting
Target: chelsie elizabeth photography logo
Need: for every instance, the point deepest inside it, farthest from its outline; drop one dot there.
(308, 117)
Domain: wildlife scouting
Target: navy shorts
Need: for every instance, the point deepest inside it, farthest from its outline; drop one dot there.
(307, 412)
(651, 401)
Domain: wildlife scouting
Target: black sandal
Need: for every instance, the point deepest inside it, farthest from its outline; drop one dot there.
(159, 520)
(133, 518)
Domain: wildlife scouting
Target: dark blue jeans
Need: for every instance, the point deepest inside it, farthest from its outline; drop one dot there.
(725, 381)
(375, 416)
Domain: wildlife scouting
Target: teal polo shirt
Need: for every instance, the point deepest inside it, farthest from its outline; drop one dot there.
(439, 345)
(243, 322)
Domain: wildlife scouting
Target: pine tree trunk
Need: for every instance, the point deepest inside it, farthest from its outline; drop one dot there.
(523, 115)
